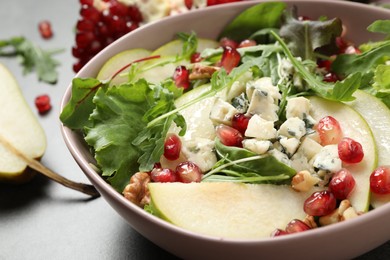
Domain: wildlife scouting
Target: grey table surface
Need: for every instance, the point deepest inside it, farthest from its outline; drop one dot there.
(42, 219)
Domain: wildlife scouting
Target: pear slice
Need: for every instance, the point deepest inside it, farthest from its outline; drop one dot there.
(174, 47)
(119, 61)
(353, 126)
(377, 116)
(20, 127)
(228, 210)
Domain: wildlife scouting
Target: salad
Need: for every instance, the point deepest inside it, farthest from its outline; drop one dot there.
(278, 100)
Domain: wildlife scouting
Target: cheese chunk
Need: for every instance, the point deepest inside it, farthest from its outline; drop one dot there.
(293, 127)
(260, 128)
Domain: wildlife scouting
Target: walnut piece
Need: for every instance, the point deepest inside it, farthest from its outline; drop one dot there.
(200, 71)
(137, 190)
(304, 181)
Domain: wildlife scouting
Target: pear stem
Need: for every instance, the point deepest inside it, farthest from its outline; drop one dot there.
(39, 167)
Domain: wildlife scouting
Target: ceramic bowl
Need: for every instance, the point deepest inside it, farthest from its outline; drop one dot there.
(341, 241)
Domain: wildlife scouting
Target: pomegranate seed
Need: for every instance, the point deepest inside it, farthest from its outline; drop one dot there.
(304, 18)
(350, 151)
(42, 103)
(351, 50)
(329, 131)
(45, 29)
(331, 77)
(163, 175)
(83, 39)
(296, 225)
(172, 147)
(320, 203)
(188, 4)
(90, 13)
(240, 122)
(86, 2)
(217, 2)
(196, 57)
(226, 42)
(380, 180)
(189, 172)
(230, 58)
(117, 8)
(247, 43)
(180, 76)
(341, 184)
(278, 232)
(326, 64)
(85, 25)
(341, 44)
(229, 136)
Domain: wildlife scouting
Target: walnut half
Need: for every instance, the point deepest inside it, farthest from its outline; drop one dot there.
(137, 190)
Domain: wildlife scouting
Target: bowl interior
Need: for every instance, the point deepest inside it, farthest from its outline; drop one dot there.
(208, 23)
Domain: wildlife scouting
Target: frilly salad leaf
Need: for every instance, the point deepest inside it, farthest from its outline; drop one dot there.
(256, 18)
(242, 165)
(75, 114)
(117, 120)
(305, 36)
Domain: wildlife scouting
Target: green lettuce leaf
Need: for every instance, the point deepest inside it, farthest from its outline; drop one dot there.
(304, 37)
(117, 120)
(75, 114)
(256, 18)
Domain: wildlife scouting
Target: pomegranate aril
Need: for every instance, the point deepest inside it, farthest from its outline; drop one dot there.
(329, 131)
(326, 64)
(296, 225)
(188, 4)
(45, 29)
(247, 43)
(196, 57)
(330, 77)
(350, 151)
(226, 42)
(240, 122)
(217, 2)
(87, 2)
(380, 180)
(172, 147)
(117, 8)
(342, 184)
(84, 39)
(163, 175)
(181, 77)
(42, 103)
(90, 13)
(230, 58)
(85, 25)
(278, 232)
(229, 136)
(189, 172)
(320, 203)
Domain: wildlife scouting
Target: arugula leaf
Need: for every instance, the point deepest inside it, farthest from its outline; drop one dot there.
(151, 139)
(75, 114)
(304, 37)
(340, 91)
(190, 44)
(253, 19)
(246, 166)
(380, 26)
(32, 58)
(382, 79)
(117, 120)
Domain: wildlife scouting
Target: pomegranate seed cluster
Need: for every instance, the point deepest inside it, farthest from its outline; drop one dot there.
(98, 27)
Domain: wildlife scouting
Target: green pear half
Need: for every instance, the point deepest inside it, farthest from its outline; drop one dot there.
(19, 127)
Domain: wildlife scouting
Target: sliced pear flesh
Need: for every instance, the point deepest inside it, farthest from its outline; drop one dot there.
(353, 126)
(377, 116)
(20, 127)
(228, 210)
